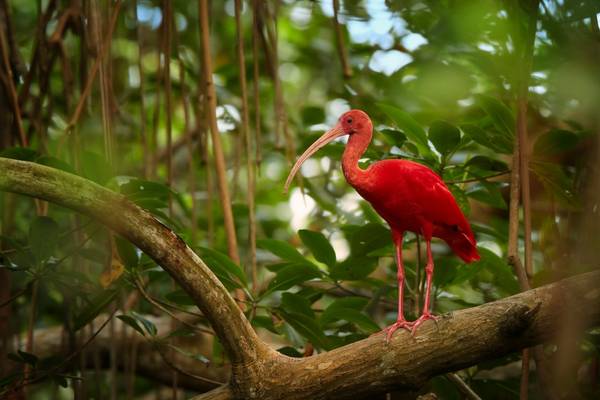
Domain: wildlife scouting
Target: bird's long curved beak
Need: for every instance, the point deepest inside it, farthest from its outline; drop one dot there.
(327, 137)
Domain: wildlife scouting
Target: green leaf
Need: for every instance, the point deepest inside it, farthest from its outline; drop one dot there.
(226, 264)
(355, 317)
(555, 142)
(349, 309)
(55, 163)
(281, 249)
(369, 237)
(502, 274)
(43, 237)
(19, 153)
(556, 182)
(132, 322)
(147, 194)
(318, 245)
(485, 164)
(502, 117)
(411, 128)
(393, 137)
(262, 321)
(444, 136)
(489, 193)
(127, 252)
(195, 356)
(180, 297)
(148, 325)
(354, 268)
(312, 115)
(308, 327)
(28, 358)
(95, 307)
(294, 303)
(489, 138)
(291, 275)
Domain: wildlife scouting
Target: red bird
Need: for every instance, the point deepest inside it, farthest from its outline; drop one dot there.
(408, 195)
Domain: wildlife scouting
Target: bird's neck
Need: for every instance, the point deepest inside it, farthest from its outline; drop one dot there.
(356, 147)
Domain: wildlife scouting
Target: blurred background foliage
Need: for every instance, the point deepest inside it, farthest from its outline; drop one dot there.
(441, 80)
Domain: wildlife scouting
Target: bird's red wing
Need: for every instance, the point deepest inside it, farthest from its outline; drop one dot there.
(409, 195)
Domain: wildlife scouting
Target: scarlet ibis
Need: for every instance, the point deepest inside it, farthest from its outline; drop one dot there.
(408, 195)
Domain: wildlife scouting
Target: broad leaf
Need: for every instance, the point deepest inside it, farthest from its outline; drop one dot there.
(132, 322)
(411, 128)
(293, 303)
(502, 117)
(281, 249)
(95, 307)
(318, 245)
(291, 275)
(307, 327)
(444, 136)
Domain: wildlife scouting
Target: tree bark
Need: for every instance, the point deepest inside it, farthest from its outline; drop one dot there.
(359, 370)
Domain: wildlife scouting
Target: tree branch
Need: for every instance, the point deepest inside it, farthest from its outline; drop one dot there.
(362, 369)
(459, 340)
(149, 235)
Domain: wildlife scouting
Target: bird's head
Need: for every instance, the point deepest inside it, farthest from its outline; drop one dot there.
(351, 122)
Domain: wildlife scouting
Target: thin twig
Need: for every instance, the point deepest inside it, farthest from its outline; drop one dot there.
(15, 296)
(211, 97)
(144, 139)
(245, 126)
(179, 370)
(483, 178)
(96, 66)
(149, 299)
(339, 37)
(166, 49)
(9, 82)
(462, 386)
(255, 81)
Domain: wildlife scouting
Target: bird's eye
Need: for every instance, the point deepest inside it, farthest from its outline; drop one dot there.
(349, 120)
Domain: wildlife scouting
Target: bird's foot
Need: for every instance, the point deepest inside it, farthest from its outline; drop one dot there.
(424, 317)
(389, 331)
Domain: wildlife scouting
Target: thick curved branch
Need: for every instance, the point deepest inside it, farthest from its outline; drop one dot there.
(149, 235)
(458, 340)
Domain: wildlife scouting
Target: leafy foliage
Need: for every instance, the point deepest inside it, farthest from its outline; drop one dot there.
(441, 82)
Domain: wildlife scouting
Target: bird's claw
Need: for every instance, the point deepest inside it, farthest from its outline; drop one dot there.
(421, 320)
(389, 331)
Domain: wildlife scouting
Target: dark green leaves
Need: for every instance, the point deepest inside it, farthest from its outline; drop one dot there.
(292, 274)
(228, 272)
(349, 309)
(555, 142)
(489, 138)
(96, 305)
(319, 246)
(411, 128)
(354, 268)
(43, 238)
(281, 249)
(444, 136)
(501, 116)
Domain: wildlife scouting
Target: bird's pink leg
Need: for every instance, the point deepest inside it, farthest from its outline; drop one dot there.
(426, 307)
(400, 321)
